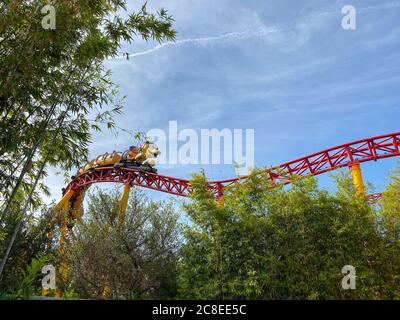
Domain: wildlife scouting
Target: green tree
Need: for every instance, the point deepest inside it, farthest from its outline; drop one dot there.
(33, 240)
(285, 243)
(133, 260)
(391, 207)
(29, 279)
(51, 80)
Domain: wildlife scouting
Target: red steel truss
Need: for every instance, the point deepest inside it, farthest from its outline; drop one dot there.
(370, 149)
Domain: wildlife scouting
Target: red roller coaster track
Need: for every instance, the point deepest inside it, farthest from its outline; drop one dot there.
(345, 155)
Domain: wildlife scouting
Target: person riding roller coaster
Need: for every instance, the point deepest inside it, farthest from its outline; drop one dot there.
(141, 158)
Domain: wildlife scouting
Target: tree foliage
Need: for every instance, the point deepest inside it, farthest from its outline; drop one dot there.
(51, 80)
(134, 259)
(264, 243)
(289, 243)
(27, 284)
(55, 89)
(33, 241)
(391, 207)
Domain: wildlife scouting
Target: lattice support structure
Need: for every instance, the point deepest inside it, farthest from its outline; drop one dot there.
(346, 155)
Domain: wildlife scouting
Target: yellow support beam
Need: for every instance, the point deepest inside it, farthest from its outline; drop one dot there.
(63, 233)
(220, 202)
(358, 182)
(49, 240)
(62, 206)
(64, 200)
(77, 210)
(63, 268)
(123, 203)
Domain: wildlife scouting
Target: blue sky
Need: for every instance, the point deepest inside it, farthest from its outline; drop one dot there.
(286, 69)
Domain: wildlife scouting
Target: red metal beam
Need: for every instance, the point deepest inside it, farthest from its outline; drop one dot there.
(375, 197)
(370, 149)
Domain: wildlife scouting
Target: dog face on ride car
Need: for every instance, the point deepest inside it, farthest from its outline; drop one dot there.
(152, 151)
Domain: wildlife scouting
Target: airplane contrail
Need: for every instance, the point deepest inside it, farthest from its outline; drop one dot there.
(261, 32)
(247, 34)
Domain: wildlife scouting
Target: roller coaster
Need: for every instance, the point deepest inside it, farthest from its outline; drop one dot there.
(135, 167)
(349, 155)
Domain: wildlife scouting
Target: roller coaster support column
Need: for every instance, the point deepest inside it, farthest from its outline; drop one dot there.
(63, 270)
(62, 207)
(124, 203)
(357, 179)
(64, 200)
(220, 197)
